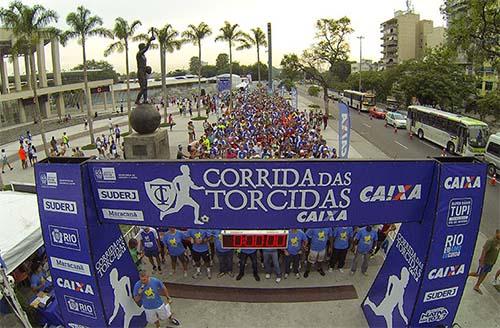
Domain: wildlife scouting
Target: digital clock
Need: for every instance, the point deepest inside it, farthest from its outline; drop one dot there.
(260, 239)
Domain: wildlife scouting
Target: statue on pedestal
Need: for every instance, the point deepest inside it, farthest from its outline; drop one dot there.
(143, 71)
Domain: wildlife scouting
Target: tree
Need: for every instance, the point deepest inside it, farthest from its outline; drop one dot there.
(177, 72)
(474, 27)
(82, 26)
(436, 79)
(195, 34)
(330, 49)
(222, 63)
(257, 38)
(30, 26)
(489, 105)
(194, 65)
(168, 38)
(233, 35)
(125, 33)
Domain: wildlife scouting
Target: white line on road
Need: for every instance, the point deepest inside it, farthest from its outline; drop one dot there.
(401, 145)
(425, 143)
(369, 126)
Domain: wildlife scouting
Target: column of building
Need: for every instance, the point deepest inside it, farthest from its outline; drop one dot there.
(42, 78)
(56, 69)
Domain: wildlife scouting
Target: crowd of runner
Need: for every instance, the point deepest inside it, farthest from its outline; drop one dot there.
(260, 127)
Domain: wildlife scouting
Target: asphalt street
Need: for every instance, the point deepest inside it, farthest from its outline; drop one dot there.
(398, 145)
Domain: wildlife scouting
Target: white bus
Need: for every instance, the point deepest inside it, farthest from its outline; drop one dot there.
(359, 100)
(460, 135)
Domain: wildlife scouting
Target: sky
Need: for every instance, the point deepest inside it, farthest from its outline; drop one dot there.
(292, 25)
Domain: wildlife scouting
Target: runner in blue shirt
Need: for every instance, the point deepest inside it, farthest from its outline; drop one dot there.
(318, 238)
(173, 240)
(297, 240)
(148, 291)
(341, 241)
(225, 255)
(149, 240)
(199, 239)
(364, 241)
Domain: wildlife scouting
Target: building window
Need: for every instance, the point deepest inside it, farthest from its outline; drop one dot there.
(488, 86)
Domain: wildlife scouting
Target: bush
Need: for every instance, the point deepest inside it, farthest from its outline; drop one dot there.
(166, 125)
(89, 147)
(313, 106)
(199, 118)
(313, 90)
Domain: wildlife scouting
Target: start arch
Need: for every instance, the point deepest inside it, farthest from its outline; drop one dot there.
(438, 202)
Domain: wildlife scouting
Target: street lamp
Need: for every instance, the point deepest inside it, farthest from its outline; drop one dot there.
(360, 58)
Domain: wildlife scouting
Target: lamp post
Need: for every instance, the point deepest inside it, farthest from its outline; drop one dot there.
(360, 59)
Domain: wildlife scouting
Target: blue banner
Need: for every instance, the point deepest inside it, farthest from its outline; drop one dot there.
(423, 277)
(213, 194)
(91, 267)
(344, 130)
(223, 83)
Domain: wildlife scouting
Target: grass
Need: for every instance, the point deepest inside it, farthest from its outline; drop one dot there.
(199, 118)
(7, 187)
(166, 125)
(89, 147)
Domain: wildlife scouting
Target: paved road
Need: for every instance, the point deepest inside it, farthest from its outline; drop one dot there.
(399, 146)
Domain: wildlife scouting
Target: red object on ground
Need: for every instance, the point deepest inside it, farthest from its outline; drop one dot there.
(376, 112)
(493, 179)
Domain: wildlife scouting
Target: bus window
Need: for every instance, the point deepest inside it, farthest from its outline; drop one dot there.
(477, 135)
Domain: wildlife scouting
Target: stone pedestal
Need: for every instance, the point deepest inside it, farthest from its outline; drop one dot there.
(147, 146)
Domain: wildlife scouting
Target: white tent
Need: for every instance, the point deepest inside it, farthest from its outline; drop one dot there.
(20, 232)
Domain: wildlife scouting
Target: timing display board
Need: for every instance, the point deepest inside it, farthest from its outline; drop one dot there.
(260, 239)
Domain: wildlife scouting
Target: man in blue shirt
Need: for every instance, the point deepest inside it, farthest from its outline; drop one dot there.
(147, 292)
(341, 241)
(150, 245)
(364, 241)
(297, 240)
(225, 255)
(173, 240)
(199, 239)
(38, 279)
(318, 240)
(246, 253)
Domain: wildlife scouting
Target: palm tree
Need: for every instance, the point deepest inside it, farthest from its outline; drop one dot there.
(168, 39)
(125, 33)
(233, 35)
(195, 34)
(82, 26)
(257, 38)
(30, 25)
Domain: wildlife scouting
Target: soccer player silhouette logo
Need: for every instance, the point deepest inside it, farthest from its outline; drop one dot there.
(123, 298)
(394, 296)
(171, 197)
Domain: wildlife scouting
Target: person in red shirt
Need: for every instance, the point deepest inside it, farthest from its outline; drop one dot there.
(22, 157)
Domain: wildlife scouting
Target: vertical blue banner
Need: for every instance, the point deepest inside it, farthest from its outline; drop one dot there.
(295, 98)
(91, 267)
(423, 278)
(456, 226)
(223, 83)
(344, 130)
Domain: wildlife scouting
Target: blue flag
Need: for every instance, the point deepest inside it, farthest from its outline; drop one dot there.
(344, 130)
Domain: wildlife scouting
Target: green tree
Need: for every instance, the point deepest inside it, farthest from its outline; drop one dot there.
(30, 26)
(257, 38)
(232, 34)
(169, 41)
(222, 63)
(330, 48)
(436, 80)
(474, 27)
(195, 34)
(96, 64)
(83, 26)
(177, 72)
(125, 33)
(489, 105)
(194, 65)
